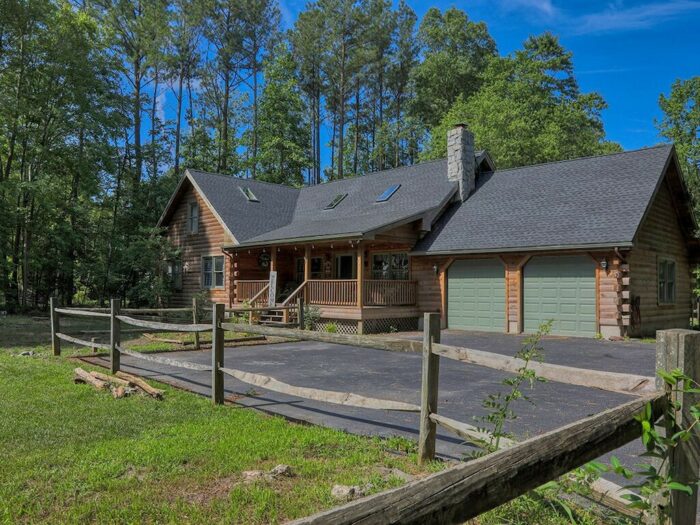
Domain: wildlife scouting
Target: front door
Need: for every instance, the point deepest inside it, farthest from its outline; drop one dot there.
(344, 267)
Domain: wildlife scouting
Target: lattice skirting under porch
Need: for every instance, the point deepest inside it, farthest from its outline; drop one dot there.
(342, 326)
(384, 326)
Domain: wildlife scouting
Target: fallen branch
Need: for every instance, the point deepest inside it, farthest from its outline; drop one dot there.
(153, 392)
(81, 376)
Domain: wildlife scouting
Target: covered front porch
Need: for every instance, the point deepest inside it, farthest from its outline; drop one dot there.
(357, 285)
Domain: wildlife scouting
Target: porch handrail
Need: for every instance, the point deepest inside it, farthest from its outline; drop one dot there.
(333, 292)
(296, 292)
(388, 292)
(259, 294)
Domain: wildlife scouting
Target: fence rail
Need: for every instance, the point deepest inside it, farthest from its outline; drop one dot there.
(164, 360)
(468, 489)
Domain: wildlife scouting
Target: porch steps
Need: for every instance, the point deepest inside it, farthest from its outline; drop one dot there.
(276, 317)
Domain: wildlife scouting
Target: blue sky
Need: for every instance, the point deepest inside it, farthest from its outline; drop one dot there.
(629, 52)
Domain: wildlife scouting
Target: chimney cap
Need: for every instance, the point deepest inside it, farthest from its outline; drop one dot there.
(460, 125)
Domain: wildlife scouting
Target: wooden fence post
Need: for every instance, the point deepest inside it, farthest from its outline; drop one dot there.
(300, 313)
(114, 335)
(217, 354)
(429, 388)
(195, 320)
(680, 349)
(55, 327)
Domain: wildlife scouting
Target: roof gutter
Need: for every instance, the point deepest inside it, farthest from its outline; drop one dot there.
(277, 242)
(569, 247)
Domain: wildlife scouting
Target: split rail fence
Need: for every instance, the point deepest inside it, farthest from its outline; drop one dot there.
(464, 491)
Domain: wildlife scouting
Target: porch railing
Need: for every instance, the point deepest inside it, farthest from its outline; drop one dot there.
(246, 290)
(332, 292)
(389, 293)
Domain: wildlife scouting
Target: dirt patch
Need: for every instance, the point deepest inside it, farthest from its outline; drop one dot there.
(213, 490)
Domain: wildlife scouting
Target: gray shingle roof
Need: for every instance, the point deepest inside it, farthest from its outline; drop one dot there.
(285, 213)
(592, 201)
(243, 218)
(423, 188)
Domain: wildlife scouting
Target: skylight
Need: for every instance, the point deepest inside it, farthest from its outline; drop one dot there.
(336, 200)
(388, 193)
(249, 194)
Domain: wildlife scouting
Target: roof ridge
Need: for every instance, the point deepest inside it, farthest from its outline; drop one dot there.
(584, 158)
(276, 184)
(372, 173)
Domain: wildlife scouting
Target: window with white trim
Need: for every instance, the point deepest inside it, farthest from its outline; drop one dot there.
(213, 272)
(390, 266)
(193, 218)
(667, 281)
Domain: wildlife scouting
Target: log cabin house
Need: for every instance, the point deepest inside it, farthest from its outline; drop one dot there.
(600, 245)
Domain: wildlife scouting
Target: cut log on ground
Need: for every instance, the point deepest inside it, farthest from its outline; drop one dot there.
(118, 392)
(81, 376)
(111, 379)
(153, 392)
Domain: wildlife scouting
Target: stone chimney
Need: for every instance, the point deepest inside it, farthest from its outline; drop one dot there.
(461, 164)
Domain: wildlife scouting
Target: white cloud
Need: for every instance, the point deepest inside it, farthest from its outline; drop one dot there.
(538, 7)
(619, 18)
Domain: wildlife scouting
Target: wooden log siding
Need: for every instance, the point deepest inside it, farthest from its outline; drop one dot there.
(332, 292)
(207, 242)
(660, 237)
(379, 292)
(469, 489)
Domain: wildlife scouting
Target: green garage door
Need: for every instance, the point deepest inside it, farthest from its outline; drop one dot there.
(561, 288)
(476, 295)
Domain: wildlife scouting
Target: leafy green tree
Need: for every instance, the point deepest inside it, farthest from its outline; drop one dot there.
(529, 110)
(283, 129)
(681, 125)
(456, 51)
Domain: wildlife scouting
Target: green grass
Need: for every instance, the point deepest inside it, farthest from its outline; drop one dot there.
(72, 454)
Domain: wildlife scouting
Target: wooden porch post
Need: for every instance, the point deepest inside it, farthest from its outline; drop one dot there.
(360, 273)
(273, 259)
(360, 284)
(307, 268)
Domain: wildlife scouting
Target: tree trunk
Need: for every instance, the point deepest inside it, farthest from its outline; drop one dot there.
(356, 145)
(178, 118)
(137, 122)
(223, 147)
(254, 145)
(154, 124)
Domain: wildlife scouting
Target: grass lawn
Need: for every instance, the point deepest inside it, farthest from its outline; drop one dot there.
(72, 454)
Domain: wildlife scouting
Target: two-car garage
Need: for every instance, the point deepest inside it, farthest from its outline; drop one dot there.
(557, 288)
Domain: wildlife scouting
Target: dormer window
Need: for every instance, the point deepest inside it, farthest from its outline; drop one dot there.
(248, 194)
(193, 218)
(336, 200)
(388, 193)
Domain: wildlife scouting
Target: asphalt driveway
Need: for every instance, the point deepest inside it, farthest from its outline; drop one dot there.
(397, 376)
